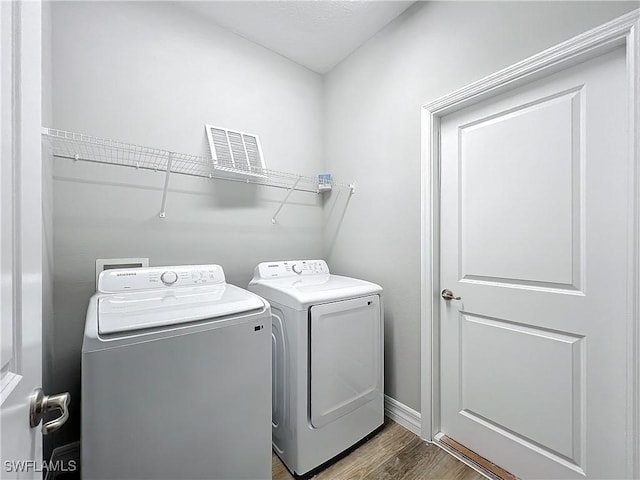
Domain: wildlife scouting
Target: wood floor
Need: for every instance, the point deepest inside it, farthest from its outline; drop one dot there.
(394, 453)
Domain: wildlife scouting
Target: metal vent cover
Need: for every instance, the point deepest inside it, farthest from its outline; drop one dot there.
(234, 151)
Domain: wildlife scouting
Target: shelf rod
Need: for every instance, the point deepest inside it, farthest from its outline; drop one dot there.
(211, 176)
(273, 219)
(163, 214)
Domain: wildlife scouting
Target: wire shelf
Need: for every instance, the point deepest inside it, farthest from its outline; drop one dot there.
(78, 146)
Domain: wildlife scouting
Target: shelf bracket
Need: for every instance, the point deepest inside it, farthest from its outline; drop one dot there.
(163, 213)
(284, 201)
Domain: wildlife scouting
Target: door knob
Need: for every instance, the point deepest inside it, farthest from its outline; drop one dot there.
(41, 404)
(448, 295)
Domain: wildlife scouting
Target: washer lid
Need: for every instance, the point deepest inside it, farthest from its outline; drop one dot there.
(301, 292)
(122, 312)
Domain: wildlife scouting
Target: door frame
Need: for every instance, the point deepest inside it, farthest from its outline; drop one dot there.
(623, 31)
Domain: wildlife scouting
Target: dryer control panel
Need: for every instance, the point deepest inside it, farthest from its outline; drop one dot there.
(132, 279)
(291, 268)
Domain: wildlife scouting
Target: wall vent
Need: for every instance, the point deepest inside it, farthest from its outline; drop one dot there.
(235, 152)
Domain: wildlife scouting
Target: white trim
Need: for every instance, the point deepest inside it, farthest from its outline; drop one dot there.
(624, 30)
(400, 413)
(428, 341)
(610, 34)
(633, 372)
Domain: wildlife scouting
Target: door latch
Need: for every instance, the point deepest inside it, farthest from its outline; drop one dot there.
(448, 295)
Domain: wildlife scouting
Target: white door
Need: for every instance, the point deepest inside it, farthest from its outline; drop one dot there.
(20, 238)
(536, 208)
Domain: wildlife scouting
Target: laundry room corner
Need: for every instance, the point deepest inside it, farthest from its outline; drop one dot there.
(149, 76)
(153, 74)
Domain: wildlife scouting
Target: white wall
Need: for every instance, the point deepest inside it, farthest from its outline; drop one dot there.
(372, 135)
(154, 74)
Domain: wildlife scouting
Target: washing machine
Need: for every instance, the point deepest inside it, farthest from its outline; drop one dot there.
(176, 377)
(327, 360)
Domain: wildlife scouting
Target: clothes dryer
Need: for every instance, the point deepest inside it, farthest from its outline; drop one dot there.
(327, 360)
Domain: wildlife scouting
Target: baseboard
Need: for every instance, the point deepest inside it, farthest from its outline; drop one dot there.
(405, 416)
(64, 462)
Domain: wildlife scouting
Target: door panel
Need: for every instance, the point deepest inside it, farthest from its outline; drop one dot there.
(534, 201)
(20, 236)
(557, 397)
(346, 357)
(534, 212)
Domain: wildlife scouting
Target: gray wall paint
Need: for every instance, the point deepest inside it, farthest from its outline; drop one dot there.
(154, 74)
(372, 135)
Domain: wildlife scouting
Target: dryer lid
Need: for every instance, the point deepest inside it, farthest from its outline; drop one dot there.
(301, 292)
(123, 312)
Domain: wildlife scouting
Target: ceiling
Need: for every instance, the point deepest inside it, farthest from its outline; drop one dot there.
(316, 34)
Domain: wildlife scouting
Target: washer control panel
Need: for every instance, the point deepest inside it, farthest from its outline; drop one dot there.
(291, 268)
(131, 279)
